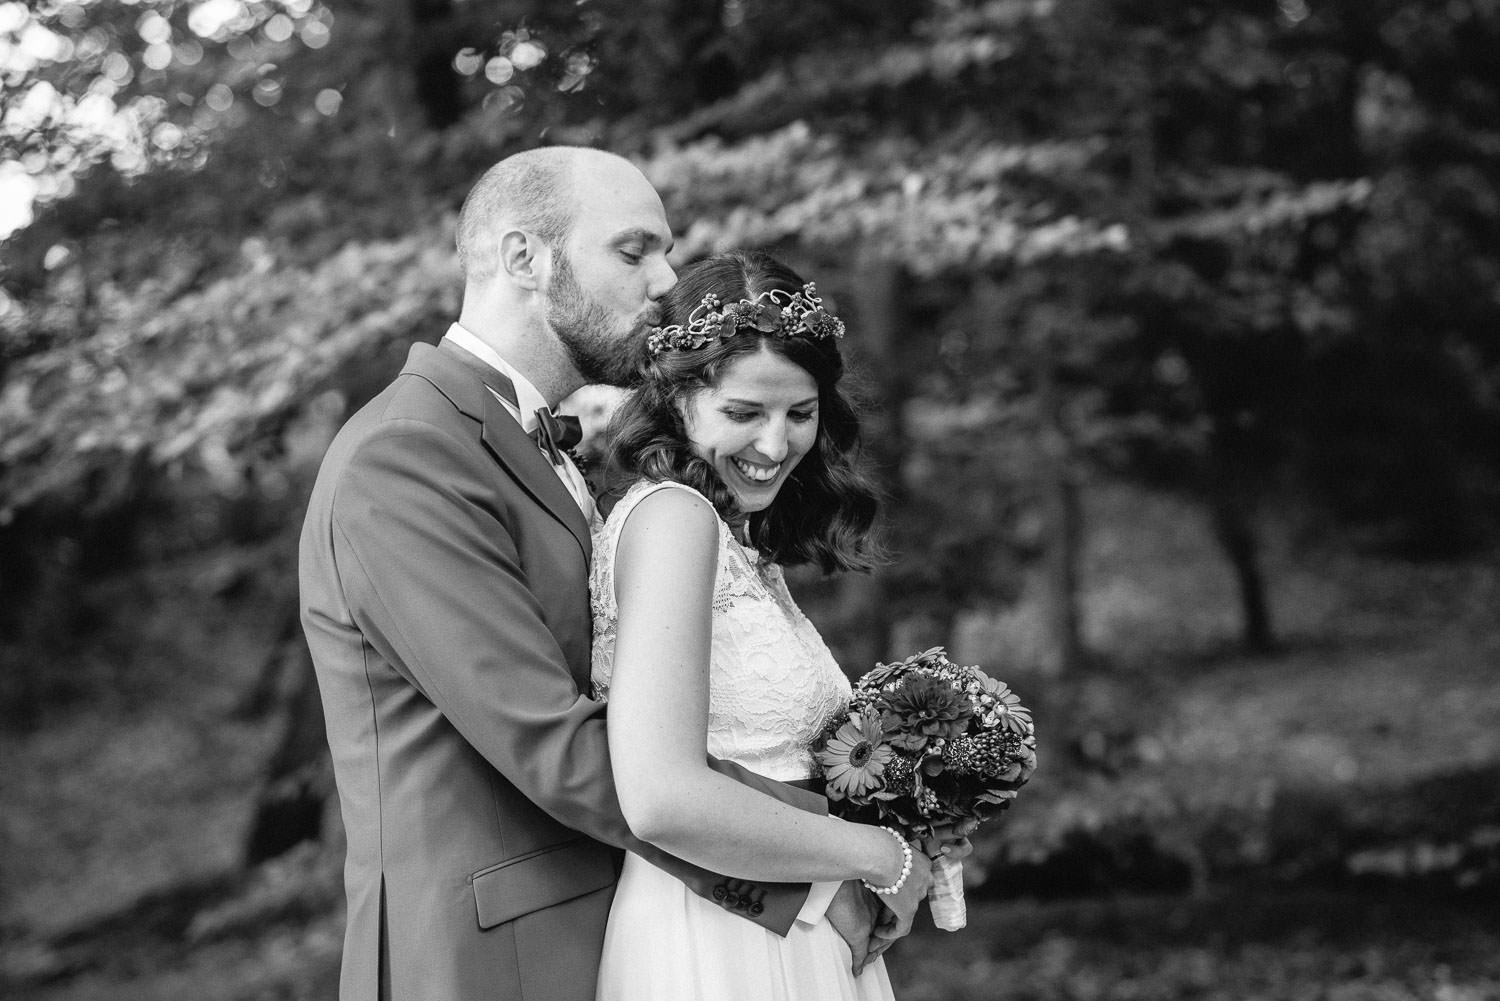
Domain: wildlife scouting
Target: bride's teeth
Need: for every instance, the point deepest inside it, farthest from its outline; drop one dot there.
(759, 474)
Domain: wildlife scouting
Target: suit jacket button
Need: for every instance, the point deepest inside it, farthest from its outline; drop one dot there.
(720, 892)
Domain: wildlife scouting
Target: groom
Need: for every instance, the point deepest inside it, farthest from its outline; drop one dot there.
(444, 568)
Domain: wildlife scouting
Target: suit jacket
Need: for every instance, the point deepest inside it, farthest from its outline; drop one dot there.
(444, 586)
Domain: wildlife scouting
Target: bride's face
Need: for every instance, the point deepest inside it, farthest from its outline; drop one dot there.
(755, 425)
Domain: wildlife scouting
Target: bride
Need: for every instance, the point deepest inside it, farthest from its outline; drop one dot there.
(741, 448)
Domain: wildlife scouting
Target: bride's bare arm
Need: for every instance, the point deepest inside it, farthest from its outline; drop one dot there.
(658, 722)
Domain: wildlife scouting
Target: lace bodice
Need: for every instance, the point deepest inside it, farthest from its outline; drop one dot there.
(772, 681)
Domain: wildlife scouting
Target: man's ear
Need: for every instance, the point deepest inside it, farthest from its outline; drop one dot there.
(523, 259)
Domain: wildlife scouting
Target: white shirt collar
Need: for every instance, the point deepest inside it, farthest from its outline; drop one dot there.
(527, 397)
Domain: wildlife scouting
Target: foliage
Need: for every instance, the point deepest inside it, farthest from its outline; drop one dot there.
(196, 379)
(1004, 138)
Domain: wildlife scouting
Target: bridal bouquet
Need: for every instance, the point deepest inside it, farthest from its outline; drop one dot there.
(926, 743)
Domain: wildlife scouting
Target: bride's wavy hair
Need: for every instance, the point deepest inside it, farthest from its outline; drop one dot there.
(825, 510)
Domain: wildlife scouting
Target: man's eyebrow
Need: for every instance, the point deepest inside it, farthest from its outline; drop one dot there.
(645, 237)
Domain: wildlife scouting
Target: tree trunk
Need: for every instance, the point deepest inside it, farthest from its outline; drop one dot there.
(1231, 509)
(289, 808)
(436, 84)
(1064, 525)
(863, 600)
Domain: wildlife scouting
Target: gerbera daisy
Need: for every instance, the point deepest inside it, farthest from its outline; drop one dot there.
(854, 759)
(1008, 709)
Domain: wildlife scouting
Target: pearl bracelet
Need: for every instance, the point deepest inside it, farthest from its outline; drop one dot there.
(895, 887)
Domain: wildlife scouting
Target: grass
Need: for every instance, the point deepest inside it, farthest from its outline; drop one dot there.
(1241, 944)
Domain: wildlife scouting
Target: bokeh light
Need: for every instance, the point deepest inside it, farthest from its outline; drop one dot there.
(242, 48)
(188, 53)
(219, 97)
(528, 54)
(267, 93)
(72, 16)
(504, 100)
(499, 70)
(153, 28)
(13, 16)
(315, 34)
(117, 68)
(18, 190)
(279, 28)
(468, 62)
(1294, 11)
(217, 18)
(166, 137)
(41, 104)
(92, 43)
(328, 102)
(157, 56)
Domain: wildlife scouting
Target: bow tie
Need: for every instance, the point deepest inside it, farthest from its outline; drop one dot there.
(556, 433)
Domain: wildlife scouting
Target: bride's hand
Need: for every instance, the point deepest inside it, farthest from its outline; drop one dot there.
(901, 907)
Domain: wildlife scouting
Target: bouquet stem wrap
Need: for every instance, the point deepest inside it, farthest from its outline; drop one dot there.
(946, 898)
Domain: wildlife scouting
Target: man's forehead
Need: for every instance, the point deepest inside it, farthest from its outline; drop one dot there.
(611, 217)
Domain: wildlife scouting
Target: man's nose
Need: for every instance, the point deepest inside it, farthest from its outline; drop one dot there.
(661, 279)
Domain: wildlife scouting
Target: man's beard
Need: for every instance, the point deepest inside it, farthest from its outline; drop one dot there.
(601, 351)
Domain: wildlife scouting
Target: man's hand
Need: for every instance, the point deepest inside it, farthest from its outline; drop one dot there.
(852, 912)
(950, 841)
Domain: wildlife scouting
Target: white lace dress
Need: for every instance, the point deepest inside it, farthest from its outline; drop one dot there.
(772, 683)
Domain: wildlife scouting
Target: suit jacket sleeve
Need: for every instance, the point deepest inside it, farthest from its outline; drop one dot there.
(426, 548)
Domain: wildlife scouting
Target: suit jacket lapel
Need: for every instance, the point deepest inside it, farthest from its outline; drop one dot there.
(519, 454)
(460, 377)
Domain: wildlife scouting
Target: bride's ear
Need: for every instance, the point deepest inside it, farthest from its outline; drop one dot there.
(524, 259)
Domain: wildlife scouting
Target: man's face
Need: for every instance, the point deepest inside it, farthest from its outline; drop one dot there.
(610, 272)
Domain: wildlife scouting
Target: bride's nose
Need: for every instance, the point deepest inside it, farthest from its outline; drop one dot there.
(771, 442)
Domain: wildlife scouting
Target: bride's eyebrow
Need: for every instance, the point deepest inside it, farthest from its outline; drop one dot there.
(811, 401)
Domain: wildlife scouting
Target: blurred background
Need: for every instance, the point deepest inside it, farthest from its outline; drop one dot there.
(1177, 323)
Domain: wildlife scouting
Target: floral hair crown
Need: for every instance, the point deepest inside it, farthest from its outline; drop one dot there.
(774, 312)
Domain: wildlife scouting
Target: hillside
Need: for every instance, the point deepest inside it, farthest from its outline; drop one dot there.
(125, 817)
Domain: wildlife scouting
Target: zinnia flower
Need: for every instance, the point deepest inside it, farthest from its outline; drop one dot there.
(855, 757)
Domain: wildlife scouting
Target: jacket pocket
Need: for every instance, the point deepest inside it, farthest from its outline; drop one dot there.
(540, 879)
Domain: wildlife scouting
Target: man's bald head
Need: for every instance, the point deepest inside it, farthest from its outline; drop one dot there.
(532, 191)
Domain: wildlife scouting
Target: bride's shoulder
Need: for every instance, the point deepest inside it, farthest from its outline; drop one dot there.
(664, 504)
(672, 532)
